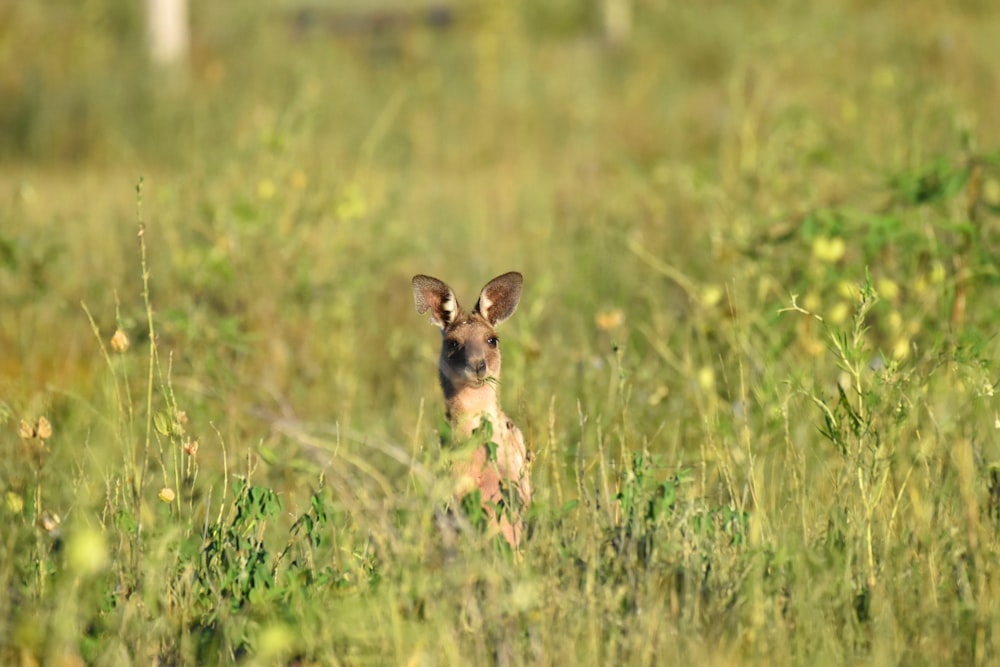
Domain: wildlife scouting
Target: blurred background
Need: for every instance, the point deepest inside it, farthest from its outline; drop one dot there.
(755, 356)
(666, 175)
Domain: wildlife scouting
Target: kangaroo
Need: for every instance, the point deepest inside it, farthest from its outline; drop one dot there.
(469, 370)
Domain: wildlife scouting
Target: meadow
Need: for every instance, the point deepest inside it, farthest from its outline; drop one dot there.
(755, 357)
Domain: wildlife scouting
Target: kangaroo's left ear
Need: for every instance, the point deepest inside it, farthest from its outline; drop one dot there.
(499, 298)
(433, 295)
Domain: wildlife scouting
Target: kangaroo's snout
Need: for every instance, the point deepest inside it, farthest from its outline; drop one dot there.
(470, 352)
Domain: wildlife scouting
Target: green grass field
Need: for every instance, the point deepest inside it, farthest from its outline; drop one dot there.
(756, 356)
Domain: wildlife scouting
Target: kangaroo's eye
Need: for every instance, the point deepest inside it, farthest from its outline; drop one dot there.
(492, 341)
(452, 346)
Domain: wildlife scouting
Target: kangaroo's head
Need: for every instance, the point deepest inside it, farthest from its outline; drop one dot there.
(470, 349)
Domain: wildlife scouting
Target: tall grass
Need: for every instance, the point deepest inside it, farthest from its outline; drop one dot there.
(754, 359)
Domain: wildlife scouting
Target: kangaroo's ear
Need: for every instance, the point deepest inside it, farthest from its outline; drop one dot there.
(499, 298)
(433, 295)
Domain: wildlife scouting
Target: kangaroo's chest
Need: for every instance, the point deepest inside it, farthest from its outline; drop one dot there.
(507, 457)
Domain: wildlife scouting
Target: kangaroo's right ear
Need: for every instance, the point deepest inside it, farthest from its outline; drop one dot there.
(499, 298)
(433, 295)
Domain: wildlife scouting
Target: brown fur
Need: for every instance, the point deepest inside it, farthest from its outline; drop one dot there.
(469, 371)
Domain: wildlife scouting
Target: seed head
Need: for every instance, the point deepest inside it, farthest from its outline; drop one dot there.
(119, 341)
(41, 429)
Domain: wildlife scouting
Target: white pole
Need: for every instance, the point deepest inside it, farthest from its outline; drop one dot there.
(169, 35)
(617, 15)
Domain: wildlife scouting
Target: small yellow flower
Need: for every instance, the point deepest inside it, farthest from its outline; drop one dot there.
(887, 289)
(14, 502)
(839, 313)
(266, 189)
(609, 319)
(167, 495)
(828, 249)
(26, 430)
(351, 204)
(119, 341)
(848, 290)
(706, 378)
(710, 296)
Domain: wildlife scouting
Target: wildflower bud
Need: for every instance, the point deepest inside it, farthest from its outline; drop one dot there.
(26, 430)
(50, 523)
(167, 495)
(43, 429)
(609, 319)
(119, 341)
(191, 448)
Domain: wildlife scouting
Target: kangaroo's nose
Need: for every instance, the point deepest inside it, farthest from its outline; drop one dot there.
(479, 366)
